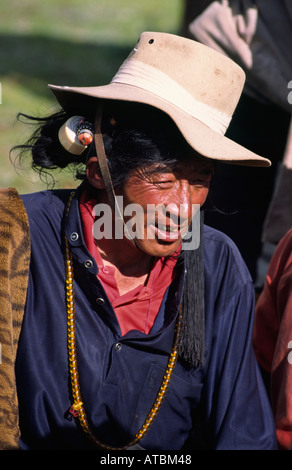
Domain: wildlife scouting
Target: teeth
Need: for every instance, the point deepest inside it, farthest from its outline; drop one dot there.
(169, 229)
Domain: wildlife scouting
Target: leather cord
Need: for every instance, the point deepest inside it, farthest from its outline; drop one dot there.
(102, 160)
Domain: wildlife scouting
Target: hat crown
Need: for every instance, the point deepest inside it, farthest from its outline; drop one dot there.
(209, 76)
(196, 86)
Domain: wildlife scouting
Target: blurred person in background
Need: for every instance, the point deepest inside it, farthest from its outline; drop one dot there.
(273, 337)
(253, 208)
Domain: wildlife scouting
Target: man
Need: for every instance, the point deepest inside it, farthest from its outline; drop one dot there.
(137, 327)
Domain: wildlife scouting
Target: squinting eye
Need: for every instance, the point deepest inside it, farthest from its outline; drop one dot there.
(199, 180)
(163, 184)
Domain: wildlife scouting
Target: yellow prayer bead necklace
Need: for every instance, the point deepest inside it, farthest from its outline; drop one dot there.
(77, 407)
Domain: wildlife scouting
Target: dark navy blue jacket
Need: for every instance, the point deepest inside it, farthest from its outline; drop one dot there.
(222, 405)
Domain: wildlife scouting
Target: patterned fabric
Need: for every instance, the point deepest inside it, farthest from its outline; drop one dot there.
(14, 265)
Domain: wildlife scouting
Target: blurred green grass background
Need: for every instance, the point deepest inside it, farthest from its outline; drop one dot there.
(64, 42)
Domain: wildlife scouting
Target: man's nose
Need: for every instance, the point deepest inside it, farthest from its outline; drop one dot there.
(184, 200)
(178, 212)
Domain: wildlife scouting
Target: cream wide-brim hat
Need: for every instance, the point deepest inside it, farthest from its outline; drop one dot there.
(196, 86)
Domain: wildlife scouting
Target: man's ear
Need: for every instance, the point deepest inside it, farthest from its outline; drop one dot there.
(93, 174)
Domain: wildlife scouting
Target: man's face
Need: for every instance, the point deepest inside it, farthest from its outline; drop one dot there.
(166, 197)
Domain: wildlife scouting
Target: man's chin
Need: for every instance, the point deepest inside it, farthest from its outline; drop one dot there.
(158, 248)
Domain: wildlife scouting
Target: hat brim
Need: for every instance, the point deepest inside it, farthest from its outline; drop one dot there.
(199, 136)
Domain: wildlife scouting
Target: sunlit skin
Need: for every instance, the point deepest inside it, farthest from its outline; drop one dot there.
(178, 188)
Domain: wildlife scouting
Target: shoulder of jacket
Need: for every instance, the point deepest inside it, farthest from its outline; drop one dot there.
(45, 200)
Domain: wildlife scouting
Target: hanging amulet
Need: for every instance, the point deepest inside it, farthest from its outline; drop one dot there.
(75, 408)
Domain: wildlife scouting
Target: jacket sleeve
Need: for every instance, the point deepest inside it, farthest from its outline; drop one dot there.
(273, 337)
(237, 407)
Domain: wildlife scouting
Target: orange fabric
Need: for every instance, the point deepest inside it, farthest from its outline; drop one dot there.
(273, 337)
(138, 308)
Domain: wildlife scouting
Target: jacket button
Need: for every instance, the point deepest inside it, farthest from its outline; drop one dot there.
(100, 301)
(118, 347)
(88, 263)
(74, 236)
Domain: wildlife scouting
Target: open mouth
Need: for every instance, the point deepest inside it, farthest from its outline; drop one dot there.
(166, 227)
(167, 233)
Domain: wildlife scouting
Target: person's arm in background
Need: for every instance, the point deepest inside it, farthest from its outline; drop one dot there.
(191, 10)
(273, 337)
